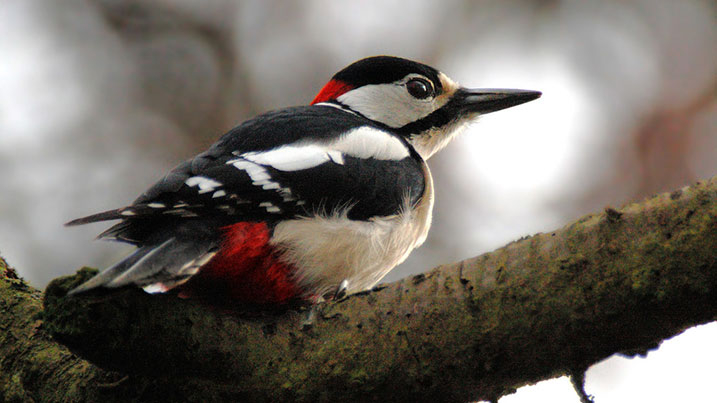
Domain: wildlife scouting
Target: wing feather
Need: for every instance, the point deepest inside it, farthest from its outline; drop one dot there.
(239, 179)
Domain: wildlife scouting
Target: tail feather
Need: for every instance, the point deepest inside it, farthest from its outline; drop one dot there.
(113, 271)
(156, 268)
(116, 214)
(103, 216)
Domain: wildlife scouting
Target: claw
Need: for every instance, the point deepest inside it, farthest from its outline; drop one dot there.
(341, 290)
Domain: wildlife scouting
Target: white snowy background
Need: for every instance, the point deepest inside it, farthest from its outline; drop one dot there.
(99, 98)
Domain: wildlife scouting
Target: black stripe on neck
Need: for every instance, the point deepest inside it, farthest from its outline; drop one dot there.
(438, 118)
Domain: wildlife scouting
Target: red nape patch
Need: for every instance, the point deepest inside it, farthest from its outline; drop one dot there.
(332, 90)
(246, 269)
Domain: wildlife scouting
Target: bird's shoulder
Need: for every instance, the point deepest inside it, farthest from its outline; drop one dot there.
(320, 123)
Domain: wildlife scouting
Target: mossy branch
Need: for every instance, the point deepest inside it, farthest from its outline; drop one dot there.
(616, 282)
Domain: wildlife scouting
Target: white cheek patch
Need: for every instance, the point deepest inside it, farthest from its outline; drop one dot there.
(203, 183)
(390, 104)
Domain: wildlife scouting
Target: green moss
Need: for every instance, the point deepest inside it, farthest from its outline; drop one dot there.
(60, 286)
(67, 320)
(13, 391)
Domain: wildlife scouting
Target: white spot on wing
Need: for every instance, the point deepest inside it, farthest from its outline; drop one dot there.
(127, 213)
(180, 212)
(156, 288)
(270, 207)
(219, 193)
(203, 183)
(271, 185)
(156, 205)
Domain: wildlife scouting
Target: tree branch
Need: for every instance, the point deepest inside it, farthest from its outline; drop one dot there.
(33, 367)
(616, 282)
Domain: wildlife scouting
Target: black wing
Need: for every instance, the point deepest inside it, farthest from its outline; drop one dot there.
(241, 178)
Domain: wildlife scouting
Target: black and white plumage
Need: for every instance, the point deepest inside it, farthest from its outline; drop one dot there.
(295, 202)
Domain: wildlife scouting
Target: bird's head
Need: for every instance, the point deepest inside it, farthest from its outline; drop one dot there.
(413, 99)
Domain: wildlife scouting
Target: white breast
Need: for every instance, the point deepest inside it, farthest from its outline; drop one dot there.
(327, 250)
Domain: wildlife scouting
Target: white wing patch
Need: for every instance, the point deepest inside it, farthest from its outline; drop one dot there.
(204, 184)
(260, 177)
(363, 142)
(367, 142)
(256, 172)
(291, 157)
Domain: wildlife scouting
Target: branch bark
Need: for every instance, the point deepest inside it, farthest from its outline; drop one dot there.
(616, 282)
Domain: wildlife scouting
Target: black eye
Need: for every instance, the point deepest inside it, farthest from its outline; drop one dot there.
(419, 88)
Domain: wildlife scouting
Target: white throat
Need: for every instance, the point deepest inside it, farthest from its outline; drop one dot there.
(433, 140)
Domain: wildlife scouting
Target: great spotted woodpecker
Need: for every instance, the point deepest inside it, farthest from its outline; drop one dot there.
(295, 203)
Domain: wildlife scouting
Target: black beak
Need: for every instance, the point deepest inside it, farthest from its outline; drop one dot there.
(488, 100)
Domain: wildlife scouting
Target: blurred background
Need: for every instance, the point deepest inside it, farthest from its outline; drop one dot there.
(98, 99)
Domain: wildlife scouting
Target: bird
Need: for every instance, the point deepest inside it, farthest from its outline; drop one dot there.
(305, 202)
